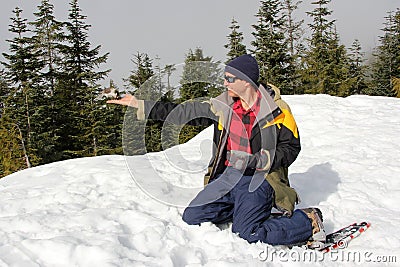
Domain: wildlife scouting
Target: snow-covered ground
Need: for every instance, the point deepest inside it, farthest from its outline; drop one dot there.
(98, 212)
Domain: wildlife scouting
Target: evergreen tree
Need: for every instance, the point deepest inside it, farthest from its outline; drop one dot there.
(201, 78)
(143, 71)
(294, 35)
(78, 85)
(48, 37)
(387, 58)
(357, 69)
(107, 127)
(21, 70)
(326, 61)
(141, 137)
(19, 67)
(270, 45)
(338, 78)
(168, 70)
(293, 28)
(169, 131)
(317, 57)
(235, 45)
(47, 42)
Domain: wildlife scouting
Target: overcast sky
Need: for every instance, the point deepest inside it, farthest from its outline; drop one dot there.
(168, 29)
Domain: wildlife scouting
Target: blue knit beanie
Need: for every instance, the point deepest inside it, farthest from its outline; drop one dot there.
(244, 67)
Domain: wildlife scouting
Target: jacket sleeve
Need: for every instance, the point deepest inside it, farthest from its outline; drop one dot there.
(288, 141)
(191, 112)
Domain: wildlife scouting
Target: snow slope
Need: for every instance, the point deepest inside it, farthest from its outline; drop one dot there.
(98, 212)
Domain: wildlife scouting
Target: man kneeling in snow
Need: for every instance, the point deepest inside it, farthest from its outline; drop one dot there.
(256, 140)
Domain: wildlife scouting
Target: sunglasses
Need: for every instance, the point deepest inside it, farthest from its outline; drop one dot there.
(231, 79)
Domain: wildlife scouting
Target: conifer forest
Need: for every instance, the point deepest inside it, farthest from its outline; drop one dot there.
(50, 79)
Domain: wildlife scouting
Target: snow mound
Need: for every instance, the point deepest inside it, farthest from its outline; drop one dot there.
(94, 212)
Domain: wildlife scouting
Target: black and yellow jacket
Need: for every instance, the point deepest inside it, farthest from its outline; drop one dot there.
(275, 131)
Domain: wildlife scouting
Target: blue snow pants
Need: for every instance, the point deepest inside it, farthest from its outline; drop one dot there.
(228, 199)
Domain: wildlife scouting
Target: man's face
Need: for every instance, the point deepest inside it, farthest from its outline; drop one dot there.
(236, 87)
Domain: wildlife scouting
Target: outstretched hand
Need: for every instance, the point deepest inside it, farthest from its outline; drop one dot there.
(127, 100)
